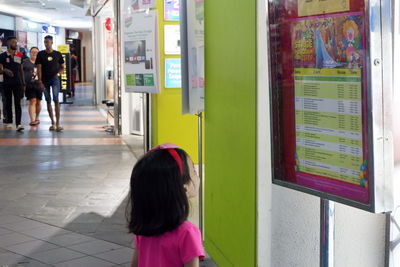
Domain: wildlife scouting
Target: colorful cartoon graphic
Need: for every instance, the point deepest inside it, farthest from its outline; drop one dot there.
(297, 165)
(328, 42)
(363, 174)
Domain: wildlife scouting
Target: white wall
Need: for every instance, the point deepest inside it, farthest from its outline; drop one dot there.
(7, 22)
(295, 229)
(359, 236)
(59, 38)
(19, 25)
(290, 229)
(87, 43)
(99, 60)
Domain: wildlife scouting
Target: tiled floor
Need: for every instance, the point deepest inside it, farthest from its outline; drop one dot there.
(25, 242)
(63, 195)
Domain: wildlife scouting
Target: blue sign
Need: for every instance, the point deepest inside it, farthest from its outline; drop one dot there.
(173, 77)
(171, 10)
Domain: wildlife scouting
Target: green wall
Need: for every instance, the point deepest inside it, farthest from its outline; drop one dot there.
(230, 132)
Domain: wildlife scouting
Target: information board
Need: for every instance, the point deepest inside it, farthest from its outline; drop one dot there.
(172, 40)
(192, 47)
(313, 7)
(65, 78)
(140, 52)
(173, 77)
(320, 117)
(171, 10)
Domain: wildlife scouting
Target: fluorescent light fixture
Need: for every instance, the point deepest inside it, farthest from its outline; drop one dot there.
(39, 17)
(32, 25)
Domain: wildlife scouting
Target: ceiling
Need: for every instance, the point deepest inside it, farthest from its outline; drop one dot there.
(62, 13)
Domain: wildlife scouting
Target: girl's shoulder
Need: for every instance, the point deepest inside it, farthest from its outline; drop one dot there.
(187, 225)
(187, 229)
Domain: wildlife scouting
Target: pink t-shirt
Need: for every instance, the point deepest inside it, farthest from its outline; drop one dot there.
(171, 249)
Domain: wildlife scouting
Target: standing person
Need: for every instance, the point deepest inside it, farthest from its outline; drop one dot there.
(11, 67)
(50, 65)
(74, 67)
(32, 93)
(3, 99)
(161, 183)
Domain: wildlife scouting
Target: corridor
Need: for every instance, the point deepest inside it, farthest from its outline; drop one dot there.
(62, 194)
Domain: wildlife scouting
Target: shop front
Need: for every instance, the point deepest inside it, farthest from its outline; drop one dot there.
(110, 91)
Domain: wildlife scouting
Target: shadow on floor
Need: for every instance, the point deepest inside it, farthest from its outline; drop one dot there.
(89, 240)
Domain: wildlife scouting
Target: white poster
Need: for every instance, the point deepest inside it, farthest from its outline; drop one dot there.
(140, 52)
(172, 39)
(135, 5)
(32, 39)
(193, 80)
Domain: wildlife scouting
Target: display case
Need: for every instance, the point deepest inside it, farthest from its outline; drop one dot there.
(331, 89)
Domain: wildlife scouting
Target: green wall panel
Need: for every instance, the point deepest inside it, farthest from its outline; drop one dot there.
(230, 132)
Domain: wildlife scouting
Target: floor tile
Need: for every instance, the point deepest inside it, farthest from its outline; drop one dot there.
(13, 239)
(85, 262)
(27, 262)
(69, 239)
(44, 232)
(118, 256)
(10, 258)
(31, 247)
(4, 231)
(95, 247)
(5, 219)
(56, 255)
(23, 225)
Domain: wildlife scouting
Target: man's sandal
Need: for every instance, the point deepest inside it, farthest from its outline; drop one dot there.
(59, 128)
(52, 128)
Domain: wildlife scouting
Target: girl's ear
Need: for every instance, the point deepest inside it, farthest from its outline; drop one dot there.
(185, 186)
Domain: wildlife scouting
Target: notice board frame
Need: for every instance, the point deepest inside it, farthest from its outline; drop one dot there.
(379, 66)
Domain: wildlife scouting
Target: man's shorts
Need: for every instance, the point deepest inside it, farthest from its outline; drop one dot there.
(55, 86)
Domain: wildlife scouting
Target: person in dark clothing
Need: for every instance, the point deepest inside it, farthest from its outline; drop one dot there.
(2, 96)
(74, 66)
(32, 93)
(50, 65)
(14, 82)
(3, 100)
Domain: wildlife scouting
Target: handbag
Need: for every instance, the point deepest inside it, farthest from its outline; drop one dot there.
(37, 86)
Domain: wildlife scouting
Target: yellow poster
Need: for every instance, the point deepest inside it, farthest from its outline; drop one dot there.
(319, 7)
(64, 49)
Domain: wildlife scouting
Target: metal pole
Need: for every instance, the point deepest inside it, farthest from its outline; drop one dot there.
(327, 233)
(200, 149)
(94, 61)
(147, 122)
(117, 67)
(388, 217)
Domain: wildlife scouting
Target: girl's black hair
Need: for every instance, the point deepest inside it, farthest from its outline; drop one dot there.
(34, 47)
(158, 200)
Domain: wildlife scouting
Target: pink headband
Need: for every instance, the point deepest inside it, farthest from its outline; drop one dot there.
(171, 150)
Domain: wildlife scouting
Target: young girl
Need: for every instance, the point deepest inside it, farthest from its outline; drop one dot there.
(161, 183)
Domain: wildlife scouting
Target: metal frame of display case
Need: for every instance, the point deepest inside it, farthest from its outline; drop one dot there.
(379, 28)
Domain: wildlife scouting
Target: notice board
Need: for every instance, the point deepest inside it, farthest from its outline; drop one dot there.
(320, 99)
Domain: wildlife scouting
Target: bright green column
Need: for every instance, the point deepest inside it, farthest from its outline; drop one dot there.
(230, 132)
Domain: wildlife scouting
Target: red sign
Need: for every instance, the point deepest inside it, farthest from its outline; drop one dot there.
(108, 24)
